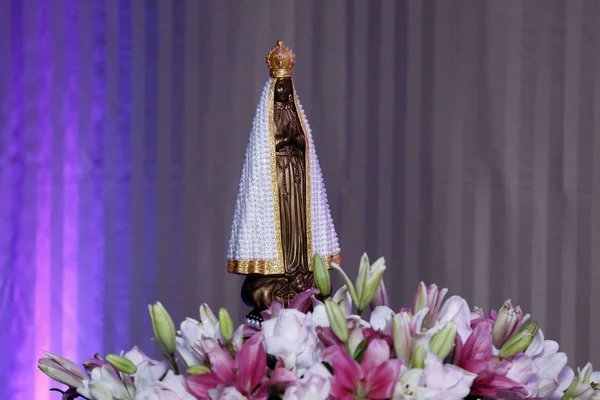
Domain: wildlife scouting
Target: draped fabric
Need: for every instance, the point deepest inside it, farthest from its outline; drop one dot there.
(459, 139)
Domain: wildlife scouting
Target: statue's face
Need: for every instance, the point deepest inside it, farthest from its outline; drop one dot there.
(283, 89)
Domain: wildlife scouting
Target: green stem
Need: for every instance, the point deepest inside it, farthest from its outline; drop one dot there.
(348, 349)
(172, 363)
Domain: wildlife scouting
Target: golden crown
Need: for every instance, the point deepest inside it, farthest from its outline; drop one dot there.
(281, 60)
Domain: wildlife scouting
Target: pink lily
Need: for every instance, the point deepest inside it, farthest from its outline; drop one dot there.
(246, 373)
(96, 362)
(374, 378)
(431, 298)
(327, 337)
(301, 302)
(272, 311)
(476, 356)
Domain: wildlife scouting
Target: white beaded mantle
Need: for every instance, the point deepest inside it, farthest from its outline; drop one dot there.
(254, 237)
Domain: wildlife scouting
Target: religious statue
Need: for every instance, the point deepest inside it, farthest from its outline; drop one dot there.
(281, 217)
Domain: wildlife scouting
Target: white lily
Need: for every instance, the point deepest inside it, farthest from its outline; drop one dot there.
(410, 386)
(106, 385)
(191, 334)
(137, 357)
(171, 387)
(315, 384)
(291, 336)
(94, 390)
(585, 386)
(381, 319)
(552, 374)
(456, 309)
(435, 381)
(403, 342)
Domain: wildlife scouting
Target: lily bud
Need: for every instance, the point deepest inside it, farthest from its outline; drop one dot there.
(225, 325)
(571, 391)
(62, 370)
(367, 282)
(443, 340)
(367, 289)
(401, 336)
(337, 320)
(519, 342)
(381, 296)
(207, 316)
(506, 323)
(122, 364)
(321, 276)
(429, 297)
(586, 373)
(418, 357)
(198, 370)
(420, 299)
(164, 329)
(60, 375)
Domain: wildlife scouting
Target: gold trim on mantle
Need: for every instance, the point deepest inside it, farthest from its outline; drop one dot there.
(265, 267)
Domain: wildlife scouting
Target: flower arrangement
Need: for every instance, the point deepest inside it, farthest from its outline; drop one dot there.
(320, 347)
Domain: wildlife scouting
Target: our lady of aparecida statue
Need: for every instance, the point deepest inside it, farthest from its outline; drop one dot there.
(282, 217)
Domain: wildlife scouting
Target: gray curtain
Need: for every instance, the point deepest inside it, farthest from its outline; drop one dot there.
(459, 139)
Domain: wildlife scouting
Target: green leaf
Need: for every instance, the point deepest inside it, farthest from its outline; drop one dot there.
(360, 350)
(272, 395)
(328, 366)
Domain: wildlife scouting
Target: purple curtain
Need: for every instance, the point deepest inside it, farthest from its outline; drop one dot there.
(460, 140)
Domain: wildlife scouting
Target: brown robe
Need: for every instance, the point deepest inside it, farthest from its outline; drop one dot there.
(291, 184)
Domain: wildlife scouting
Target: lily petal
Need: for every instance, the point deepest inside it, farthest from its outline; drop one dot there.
(100, 391)
(478, 345)
(382, 380)
(207, 316)
(279, 376)
(489, 384)
(220, 360)
(302, 301)
(347, 371)
(327, 337)
(238, 338)
(381, 297)
(378, 351)
(251, 363)
(199, 385)
(67, 364)
(347, 282)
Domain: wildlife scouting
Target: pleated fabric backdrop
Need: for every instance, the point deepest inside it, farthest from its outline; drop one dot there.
(459, 139)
